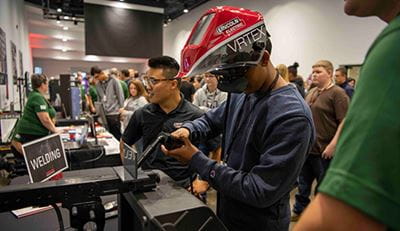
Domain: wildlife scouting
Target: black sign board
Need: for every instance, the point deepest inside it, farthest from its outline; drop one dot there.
(45, 157)
(129, 162)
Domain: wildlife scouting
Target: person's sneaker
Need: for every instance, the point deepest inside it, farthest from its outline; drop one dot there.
(295, 217)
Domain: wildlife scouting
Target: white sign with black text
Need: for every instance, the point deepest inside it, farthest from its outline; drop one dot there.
(44, 157)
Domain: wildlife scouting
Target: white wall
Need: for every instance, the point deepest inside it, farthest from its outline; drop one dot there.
(52, 67)
(14, 24)
(304, 31)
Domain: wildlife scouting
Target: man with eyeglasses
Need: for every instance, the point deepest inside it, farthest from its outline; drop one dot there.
(167, 111)
(267, 127)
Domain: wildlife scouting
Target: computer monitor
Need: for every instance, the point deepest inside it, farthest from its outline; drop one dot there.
(102, 114)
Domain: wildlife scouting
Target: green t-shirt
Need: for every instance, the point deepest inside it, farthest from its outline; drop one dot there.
(29, 122)
(82, 88)
(124, 88)
(93, 93)
(365, 172)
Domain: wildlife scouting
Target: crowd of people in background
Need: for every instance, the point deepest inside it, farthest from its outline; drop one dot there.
(202, 90)
(122, 92)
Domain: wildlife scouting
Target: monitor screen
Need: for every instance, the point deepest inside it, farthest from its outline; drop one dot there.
(101, 113)
(38, 70)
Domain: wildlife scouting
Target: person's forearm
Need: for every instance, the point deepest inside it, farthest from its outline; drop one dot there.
(328, 213)
(121, 149)
(50, 126)
(47, 122)
(89, 101)
(337, 135)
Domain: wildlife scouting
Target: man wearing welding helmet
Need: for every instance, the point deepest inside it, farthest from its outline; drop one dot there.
(266, 125)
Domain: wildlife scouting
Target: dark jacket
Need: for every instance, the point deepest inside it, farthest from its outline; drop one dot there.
(348, 89)
(299, 85)
(266, 138)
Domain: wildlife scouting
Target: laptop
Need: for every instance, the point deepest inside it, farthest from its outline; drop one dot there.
(80, 142)
(94, 134)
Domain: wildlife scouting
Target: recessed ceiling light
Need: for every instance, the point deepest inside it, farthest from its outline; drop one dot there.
(64, 39)
(59, 10)
(121, 0)
(66, 17)
(65, 28)
(185, 11)
(64, 50)
(58, 21)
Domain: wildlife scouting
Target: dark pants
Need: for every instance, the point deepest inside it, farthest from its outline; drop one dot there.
(114, 126)
(314, 168)
(20, 165)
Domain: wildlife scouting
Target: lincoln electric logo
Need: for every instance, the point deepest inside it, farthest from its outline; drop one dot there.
(230, 26)
(248, 39)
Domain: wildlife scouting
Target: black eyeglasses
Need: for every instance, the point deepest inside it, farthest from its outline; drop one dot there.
(153, 81)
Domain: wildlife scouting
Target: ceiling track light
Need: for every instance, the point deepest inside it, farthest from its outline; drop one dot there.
(185, 8)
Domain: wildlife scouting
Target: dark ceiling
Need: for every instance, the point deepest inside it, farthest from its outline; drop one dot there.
(74, 8)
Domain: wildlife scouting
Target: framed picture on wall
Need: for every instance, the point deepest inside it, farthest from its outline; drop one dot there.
(3, 58)
(14, 62)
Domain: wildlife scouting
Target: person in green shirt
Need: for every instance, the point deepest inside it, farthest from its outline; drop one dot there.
(117, 74)
(37, 119)
(124, 88)
(361, 189)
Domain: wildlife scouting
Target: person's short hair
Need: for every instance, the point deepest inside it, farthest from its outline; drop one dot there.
(95, 70)
(169, 65)
(114, 71)
(125, 72)
(343, 71)
(327, 65)
(293, 68)
(37, 80)
(139, 87)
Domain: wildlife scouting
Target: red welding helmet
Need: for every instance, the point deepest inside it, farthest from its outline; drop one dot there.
(225, 41)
